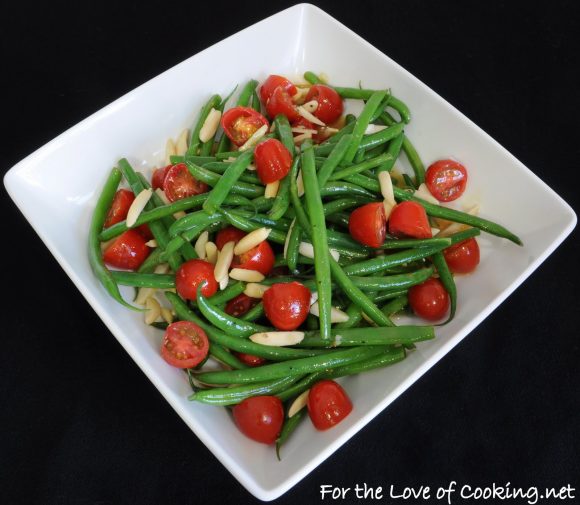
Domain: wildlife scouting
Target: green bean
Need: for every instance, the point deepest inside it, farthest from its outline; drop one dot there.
(393, 150)
(387, 295)
(381, 137)
(238, 220)
(256, 104)
(292, 250)
(226, 181)
(395, 305)
(254, 313)
(341, 188)
(366, 94)
(284, 132)
(302, 385)
(137, 280)
(234, 289)
(394, 335)
(354, 317)
(393, 282)
(463, 235)
(194, 141)
(312, 78)
(220, 167)
(340, 218)
(207, 146)
(341, 204)
(224, 155)
(288, 428)
(389, 356)
(222, 355)
(361, 167)
(446, 278)
(195, 219)
(333, 160)
(154, 259)
(404, 243)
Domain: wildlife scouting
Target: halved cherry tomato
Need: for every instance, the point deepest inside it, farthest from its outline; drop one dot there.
(185, 344)
(249, 359)
(127, 251)
(273, 160)
(317, 138)
(446, 180)
(179, 183)
(429, 300)
(260, 418)
(192, 274)
(328, 404)
(409, 219)
(260, 258)
(229, 234)
(239, 305)
(330, 105)
(240, 123)
(462, 258)
(281, 103)
(368, 225)
(119, 207)
(286, 305)
(158, 177)
(271, 83)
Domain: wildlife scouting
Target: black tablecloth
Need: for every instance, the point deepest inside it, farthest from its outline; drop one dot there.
(80, 423)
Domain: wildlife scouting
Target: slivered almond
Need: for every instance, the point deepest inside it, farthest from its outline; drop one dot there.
(309, 116)
(302, 137)
(151, 243)
(300, 183)
(307, 250)
(251, 240)
(374, 128)
(167, 315)
(288, 237)
(255, 290)
(424, 193)
(200, 244)
(251, 167)
(299, 403)
(143, 295)
(241, 274)
(169, 151)
(457, 227)
(311, 106)
(137, 206)
(211, 252)
(300, 94)
(210, 125)
(388, 208)
(253, 140)
(336, 315)
(224, 260)
(162, 268)
(181, 144)
(313, 298)
(324, 79)
(368, 319)
(271, 189)
(386, 186)
(303, 129)
(224, 283)
(278, 338)
(153, 310)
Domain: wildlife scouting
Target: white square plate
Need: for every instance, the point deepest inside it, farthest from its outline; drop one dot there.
(58, 203)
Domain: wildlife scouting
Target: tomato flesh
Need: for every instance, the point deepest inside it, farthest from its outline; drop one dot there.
(192, 274)
(446, 180)
(240, 305)
(127, 251)
(429, 300)
(240, 123)
(271, 83)
(119, 207)
(367, 224)
(286, 305)
(180, 184)
(330, 104)
(462, 258)
(185, 344)
(260, 258)
(409, 219)
(260, 418)
(328, 404)
(158, 177)
(273, 160)
(281, 103)
(229, 234)
(249, 359)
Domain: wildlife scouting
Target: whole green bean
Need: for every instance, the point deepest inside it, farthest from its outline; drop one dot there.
(394, 151)
(393, 282)
(292, 250)
(361, 167)
(348, 337)
(446, 278)
(254, 313)
(138, 280)
(220, 167)
(219, 352)
(194, 141)
(334, 158)
(290, 425)
(395, 305)
(405, 243)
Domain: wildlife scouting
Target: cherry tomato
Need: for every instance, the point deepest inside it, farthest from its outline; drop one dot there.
(260, 418)
(462, 258)
(241, 304)
(193, 273)
(286, 305)
(446, 180)
(328, 404)
(317, 138)
(368, 225)
(119, 207)
(240, 123)
(260, 258)
(127, 251)
(281, 103)
(179, 183)
(271, 83)
(409, 219)
(330, 105)
(273, 160)
(250, 359)
(158, 177)
(429, 300)
(229, 234)
(185, 344)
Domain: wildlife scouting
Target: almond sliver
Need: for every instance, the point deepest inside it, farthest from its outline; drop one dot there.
(374, 128)
(300, 182)
(225, 257)
(241, 274)
(424, 193)
(336, 315)
(271, 189)
(167, 315)
(386, 184)
(200, 244)
(153, 310)
(311, 106)
(137, 206)
(143, 295)
(210, 125)
(211, 252)
(255, 290)
(309, 116)
(278, 338)
(298, 404)
(253, 140)
(251, 240)
(181, 144)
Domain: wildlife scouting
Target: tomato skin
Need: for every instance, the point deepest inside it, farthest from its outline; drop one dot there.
(158, 177)
(286, 305)
(330, 104)
(119, 207)
(192, 274)
(271, 83)
(229, 234)
(368, 224)
(240, 123)
(281, 103)
(260, 418)
(127, 251)
(446, 180)
(179, 183)
(328, 404)
(273, 160)
(429, 300)
(250, 359)
(241, 304)
(184, 345)
(260, 258)
(462, 258)
(409, 219)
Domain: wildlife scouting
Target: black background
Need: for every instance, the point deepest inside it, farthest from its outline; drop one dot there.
(80, 423)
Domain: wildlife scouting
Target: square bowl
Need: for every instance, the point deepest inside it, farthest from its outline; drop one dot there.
(58, 204)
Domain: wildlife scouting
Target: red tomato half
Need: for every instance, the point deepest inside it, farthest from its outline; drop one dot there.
(241, 304)
(462, 258)
(281, 103)
(119, 207)
(429, 300)
(229, 234)
(249, 359)
(158, 177)
(127, 251)
(328, 404)
(330, 105)
(260, 258)
(179, 183)
(192, 274)
(273, 160)
(260, 418)
(185, 344)
(446, 180)
(240, 123)
(368, 225)
(286, 305)
(271, 83)
(409, 219)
